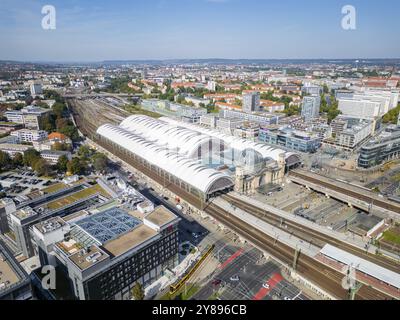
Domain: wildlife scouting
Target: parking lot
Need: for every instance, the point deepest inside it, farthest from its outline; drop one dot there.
(17, 183)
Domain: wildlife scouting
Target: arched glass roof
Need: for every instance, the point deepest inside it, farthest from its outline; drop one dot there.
(187, 170)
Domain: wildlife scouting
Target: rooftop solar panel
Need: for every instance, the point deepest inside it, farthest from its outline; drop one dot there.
(108, 225)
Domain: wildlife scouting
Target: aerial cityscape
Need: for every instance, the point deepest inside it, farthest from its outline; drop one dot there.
(135, 166)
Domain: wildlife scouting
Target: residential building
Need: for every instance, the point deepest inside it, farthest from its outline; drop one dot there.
(58, 137)
(36, 89)
(251, 102)
(211, 85)
(27, 135)
(198, 102)
(271, 106)
(312, 89)
(310, 107)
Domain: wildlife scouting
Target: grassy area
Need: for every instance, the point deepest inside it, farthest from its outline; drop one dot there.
(55, 187)
(391, 236)
(85, 193)
(139, 110)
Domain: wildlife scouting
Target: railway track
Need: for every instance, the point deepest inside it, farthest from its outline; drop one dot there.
(336, 186)
(328, 278)
(310, 235)
(313, 270)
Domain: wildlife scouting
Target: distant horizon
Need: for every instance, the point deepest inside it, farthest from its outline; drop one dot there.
(95, 31)
(361, 60)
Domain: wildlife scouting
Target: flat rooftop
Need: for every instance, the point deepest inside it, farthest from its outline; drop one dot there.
(362, 265)
(55, 187)
(8, 276)
(50, 225)
(84, 259)
(161, 216)
(11, 272)
(108, 225)
(85, 193)
(130, 240)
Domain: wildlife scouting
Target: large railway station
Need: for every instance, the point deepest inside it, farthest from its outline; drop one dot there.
(198, 161)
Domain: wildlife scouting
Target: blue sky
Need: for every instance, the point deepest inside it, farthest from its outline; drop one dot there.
(164, 29)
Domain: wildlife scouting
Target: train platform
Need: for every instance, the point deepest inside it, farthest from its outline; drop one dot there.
(306, 248)
(351, 239)
(357, 196)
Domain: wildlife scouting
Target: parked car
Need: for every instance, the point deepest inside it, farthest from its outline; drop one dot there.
(234, 278)
(216, 282)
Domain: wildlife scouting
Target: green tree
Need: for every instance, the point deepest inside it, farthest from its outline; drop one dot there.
(41, 167)
(392, 115)
(30, 157)
(60, 109)
(84, 152)
(75, 166)
(62, 164)
(137, 291)
(58, 146)
(100, 162)
(4, 160)
(18, 160)
(48, 122)
(70, 131)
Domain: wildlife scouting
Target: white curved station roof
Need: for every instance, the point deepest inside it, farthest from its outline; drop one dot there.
(234, 142)
(187, 170)
(182, 140)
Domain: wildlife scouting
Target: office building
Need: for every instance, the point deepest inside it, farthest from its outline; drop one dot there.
(52, 156)
(228, 125)
(14, 281)
(258, 117)
(59, 200)
(13, 149)
(349, 132)
(247, 130)
(104, 253)
(380, 149)
(30, 116)
(209, 120)
(368, 104)
(310, 107)
(291, 139)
